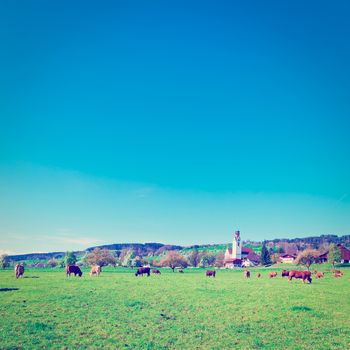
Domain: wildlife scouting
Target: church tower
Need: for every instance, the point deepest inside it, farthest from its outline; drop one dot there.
(236, 246)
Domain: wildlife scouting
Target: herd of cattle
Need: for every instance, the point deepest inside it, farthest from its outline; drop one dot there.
(96, 271)
(303, 275)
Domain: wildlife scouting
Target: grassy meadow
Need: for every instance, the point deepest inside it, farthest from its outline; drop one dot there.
(172, 311)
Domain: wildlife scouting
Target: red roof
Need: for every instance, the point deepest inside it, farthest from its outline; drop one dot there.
(253, 257)
(345, 253)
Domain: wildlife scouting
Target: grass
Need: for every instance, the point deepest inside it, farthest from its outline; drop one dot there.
(172, 311)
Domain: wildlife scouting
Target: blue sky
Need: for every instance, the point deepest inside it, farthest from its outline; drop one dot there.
(172, 122)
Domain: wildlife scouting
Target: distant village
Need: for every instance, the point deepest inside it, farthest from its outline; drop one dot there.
(239, 253)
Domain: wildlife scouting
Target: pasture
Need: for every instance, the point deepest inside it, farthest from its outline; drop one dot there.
(172, 311)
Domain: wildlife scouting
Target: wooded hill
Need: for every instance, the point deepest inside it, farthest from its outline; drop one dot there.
(156, 249)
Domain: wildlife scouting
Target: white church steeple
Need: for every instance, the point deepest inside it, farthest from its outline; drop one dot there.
(236, 246)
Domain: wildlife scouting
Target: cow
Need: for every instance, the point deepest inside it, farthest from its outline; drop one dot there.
(95, 270)
(73, 269)
(304, 275)
(273, 274)
(247, 274)
(285, 273)
(319, 274)
(210, 273)
(156, 271)
(258, 275)
(19, 270)
(328, 270)
(337, 272)
(181, 271)
(143, 270)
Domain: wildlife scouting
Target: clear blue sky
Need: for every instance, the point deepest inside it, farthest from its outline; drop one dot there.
(175, 122)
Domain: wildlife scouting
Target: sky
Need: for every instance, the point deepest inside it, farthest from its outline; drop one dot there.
(173, 122)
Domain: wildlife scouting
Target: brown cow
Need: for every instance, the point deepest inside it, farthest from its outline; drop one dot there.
(143, 270)
(19, 270)
(181, 271)
(328, 270)
(247, 274)
(258, 275)
(73, 269)
(337, 272)
(273, 274)
(95, 270)
(285, 273)
(304, 275)
(210, 273)
(156, 271)
(319, 274)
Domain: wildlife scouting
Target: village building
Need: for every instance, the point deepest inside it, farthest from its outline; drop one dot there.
(344, 253)
(287, 258)
(237, 256)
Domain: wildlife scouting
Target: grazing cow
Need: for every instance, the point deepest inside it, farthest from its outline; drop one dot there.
(210, 273)
(143, 270)
(304, 275)
(73, 269)
(273, 274)
(181, 271)
(258, 275)
(337, 272)
(156, 271)
(19, 270)
(319, 274)
(285, 273)
(95, 270)
(328, 270)
(247, 274)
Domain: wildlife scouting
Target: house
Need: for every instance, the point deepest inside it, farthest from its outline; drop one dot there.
(344, 253)
(287, 258)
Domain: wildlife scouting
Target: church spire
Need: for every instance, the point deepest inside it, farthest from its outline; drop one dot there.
(236, 246)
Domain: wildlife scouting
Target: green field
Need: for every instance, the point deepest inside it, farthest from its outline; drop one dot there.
(172, 311)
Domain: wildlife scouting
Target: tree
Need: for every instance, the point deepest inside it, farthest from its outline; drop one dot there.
(334, 254)
(136, 262)
(219, 260)
(274, 258)
(307, 257)
(100, 257)
(207, 260)
(280, 250)
(127, 257)
(174, 259)
(52, 262)
(265, 255)
(70, 258)
(4, 261)
(194, 257)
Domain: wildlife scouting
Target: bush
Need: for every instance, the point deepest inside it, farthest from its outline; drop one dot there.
(70, 258)
(4, 261)
(52, 263)
(100, 257)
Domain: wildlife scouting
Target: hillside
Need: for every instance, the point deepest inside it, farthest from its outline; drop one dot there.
(156, 250)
